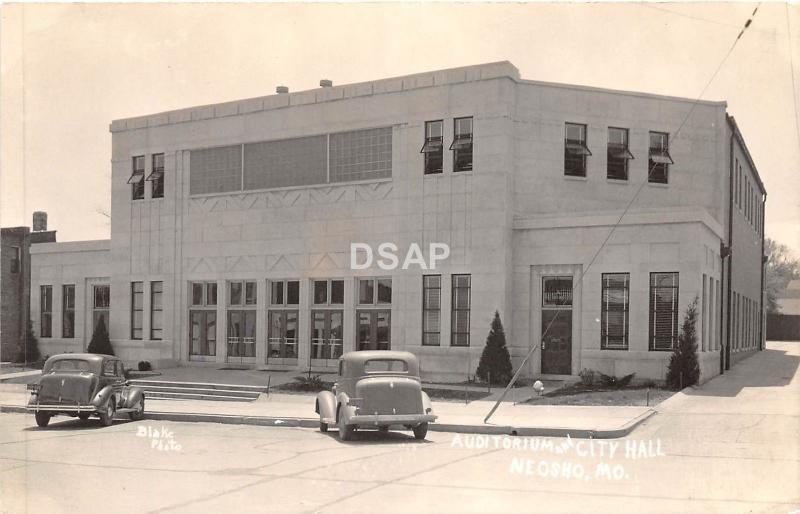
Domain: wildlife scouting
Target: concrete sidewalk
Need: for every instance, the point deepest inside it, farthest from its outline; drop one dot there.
(298, 410)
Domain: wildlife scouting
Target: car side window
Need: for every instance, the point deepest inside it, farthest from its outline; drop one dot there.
(108, 368)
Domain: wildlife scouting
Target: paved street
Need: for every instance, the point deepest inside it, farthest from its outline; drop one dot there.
(731, 446)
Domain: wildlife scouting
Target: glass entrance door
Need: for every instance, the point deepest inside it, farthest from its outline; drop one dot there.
(556, 341)
(282, 337)
(326, 337)
(202, 334)
(241, 336)
(374, 330)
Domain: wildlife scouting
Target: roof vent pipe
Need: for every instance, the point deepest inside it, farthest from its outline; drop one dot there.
(281, 90)
(326, 83)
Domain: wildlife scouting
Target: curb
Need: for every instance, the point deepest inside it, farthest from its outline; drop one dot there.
(18, 374)
(272, 421)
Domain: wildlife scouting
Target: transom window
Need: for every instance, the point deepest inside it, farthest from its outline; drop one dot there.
(204, 293)
(285, 292)
(433, 148)
(618, 153)
(575, 150)
(374, 291)
(242, 293)
(462, 144)
(659, 161)
(328, 292)
(136, 179)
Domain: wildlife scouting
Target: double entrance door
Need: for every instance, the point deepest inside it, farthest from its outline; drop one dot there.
(241, 336)
(374, 329)
(556, 329)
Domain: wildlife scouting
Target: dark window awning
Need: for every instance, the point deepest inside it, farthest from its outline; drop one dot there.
(136, 177)
(461, 143)
(619, 151)
(156, 175)
(432, 145)
(577, 148)
(660, 156)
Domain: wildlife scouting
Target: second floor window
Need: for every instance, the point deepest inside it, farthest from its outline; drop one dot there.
(462, 144)
(658, 165)
(156, 177)
(433, 148)
(575, 150)
(137, 178)
(618, 153)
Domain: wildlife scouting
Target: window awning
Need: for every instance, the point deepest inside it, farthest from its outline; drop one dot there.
(432, 145)
(136, 177)
(577, 148)
(619, 151)
(461, 143)
(660, 156)
(156, 175)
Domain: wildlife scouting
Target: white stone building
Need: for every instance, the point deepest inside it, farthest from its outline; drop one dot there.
(232, 225)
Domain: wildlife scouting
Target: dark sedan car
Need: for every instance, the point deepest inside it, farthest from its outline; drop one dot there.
(82, 385)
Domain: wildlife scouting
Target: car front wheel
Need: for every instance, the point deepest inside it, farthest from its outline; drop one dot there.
(107, 416)
(420, 431)
(138, 411)
(42, 418)
(345, 431)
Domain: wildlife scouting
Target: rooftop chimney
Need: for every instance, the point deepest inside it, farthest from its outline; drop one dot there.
(39, 221)
(281, 90)
(326, 83)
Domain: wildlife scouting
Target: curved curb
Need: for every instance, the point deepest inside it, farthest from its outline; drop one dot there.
(280, 422)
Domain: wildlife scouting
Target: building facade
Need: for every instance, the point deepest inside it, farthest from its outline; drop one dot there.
(15, 277)
(233, 228)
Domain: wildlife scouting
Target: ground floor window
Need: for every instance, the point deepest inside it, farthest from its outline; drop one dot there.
(614, 311)
(459, 335)
(102, 304)
(326, 334)
(46, 311)
(282, 334)
(241, 333)
(431, 309)
(374, 329)
(203, 333)
(663, 310)
(68, 311)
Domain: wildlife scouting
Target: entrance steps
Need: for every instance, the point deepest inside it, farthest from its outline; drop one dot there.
(165, 390)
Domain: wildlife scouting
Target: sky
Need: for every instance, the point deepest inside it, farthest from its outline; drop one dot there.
(67, 70)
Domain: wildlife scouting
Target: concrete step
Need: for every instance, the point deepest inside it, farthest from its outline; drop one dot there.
(162, 389)
(199, 385)
(156, 395)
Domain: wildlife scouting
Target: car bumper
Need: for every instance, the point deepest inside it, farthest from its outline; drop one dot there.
(391, 419)
(55, 407)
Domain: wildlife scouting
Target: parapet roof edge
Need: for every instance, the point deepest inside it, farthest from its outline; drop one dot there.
(716, 103)
(72, 246)
(738, 133)
(472, 73)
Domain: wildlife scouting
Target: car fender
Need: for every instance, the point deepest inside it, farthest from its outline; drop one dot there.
(101, 397)
(134, 395)
(326, 405)
(427, 406)
(343, 409)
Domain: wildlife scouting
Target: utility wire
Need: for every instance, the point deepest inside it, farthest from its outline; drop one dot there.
(619, 220)
(791, 62)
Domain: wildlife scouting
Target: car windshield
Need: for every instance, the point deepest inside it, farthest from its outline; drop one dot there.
(71, 365)
(385, 366)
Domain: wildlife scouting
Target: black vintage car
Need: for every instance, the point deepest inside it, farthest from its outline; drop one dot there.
(82, 385)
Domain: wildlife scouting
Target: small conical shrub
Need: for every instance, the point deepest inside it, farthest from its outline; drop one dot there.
(100, 342)
(29, 348)
(684, 370)
(495, 363)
